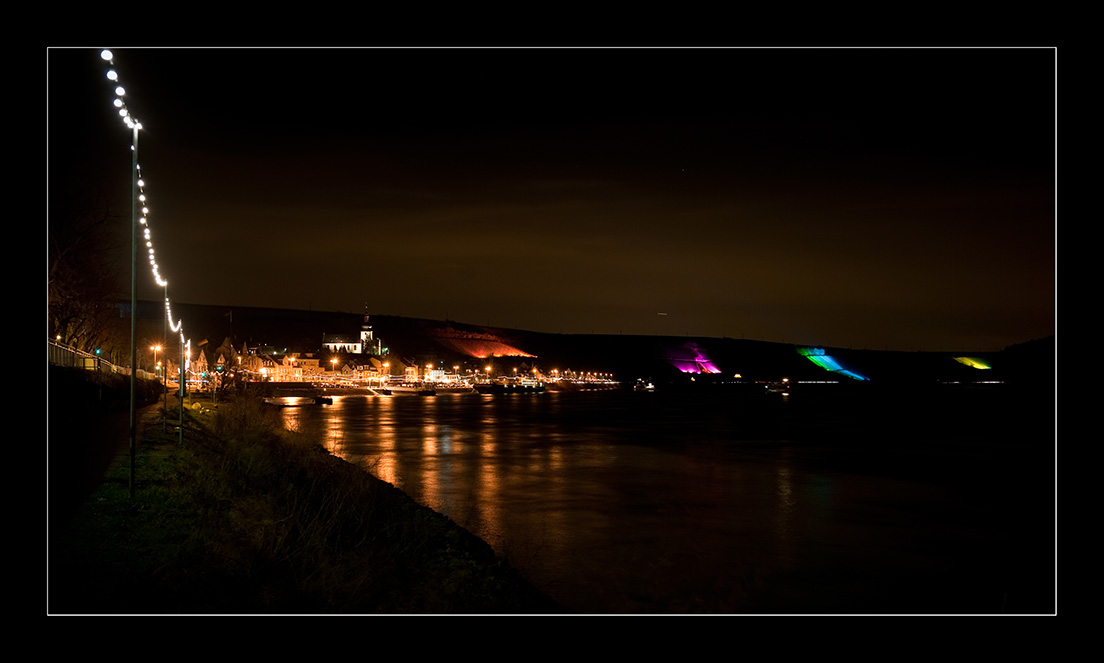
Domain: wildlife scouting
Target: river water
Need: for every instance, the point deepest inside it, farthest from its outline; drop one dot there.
(621, 502)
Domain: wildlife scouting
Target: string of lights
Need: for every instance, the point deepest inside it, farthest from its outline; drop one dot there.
(132, 123)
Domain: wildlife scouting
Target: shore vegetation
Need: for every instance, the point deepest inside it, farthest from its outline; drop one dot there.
(240, 516)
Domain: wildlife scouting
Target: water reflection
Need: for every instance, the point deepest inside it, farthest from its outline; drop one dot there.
(613, 503)
(787, 507)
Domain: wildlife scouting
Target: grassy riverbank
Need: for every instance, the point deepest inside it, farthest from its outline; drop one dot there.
(245, 517)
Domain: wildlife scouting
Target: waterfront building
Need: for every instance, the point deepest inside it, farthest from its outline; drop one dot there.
(363, 343)
(335, 343)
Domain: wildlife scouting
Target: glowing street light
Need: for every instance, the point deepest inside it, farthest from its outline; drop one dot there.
(139, 217)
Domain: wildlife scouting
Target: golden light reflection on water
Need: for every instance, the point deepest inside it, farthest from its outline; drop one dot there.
(414, 445)
(622, 509)
(431, 455)
(385, 466)
(502, 476)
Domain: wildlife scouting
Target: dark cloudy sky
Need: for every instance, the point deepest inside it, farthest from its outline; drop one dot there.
(878, 198)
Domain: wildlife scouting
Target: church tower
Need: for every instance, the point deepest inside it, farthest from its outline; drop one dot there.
(368, 344)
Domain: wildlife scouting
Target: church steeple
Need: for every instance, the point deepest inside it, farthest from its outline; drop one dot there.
(367, 338)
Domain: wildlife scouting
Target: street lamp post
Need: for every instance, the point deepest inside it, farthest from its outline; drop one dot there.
(182, 378)
(133, 298)
(165, 373)
(136, 185)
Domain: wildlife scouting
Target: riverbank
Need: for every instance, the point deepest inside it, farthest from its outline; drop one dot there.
(244, 517)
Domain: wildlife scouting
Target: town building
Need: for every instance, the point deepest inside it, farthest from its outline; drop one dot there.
(363, 343)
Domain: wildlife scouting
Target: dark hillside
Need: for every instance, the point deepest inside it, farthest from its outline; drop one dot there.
(627, 357)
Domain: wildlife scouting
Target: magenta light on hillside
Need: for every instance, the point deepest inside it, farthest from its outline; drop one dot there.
(691, 359)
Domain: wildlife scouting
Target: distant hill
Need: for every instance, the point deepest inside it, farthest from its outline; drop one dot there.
(627, 357)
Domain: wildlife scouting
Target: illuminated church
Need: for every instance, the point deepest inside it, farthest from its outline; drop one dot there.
(366, 343)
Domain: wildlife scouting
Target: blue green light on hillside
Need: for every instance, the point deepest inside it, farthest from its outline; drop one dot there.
(817, 356)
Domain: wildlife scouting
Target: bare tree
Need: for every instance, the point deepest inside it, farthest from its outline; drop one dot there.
(83, 273)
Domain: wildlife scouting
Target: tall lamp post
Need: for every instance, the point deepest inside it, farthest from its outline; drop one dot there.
(137, 196)
(133, 299)
(164, 378)
(181, 377)
(134, 126)
(165, 373)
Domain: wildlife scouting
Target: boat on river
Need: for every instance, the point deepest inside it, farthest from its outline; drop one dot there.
(510, 387)
(412, 390)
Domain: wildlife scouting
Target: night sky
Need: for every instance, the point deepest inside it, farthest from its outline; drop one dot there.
(898, 199)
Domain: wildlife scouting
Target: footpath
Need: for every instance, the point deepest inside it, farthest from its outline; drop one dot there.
(82, 445)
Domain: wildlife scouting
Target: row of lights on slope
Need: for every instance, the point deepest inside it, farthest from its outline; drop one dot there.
(132, 123)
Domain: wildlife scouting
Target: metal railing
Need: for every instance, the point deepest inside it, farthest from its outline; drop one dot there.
(61, 355)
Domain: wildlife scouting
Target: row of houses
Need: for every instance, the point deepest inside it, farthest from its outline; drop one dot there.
(345, 355)
(354, 356)
(268, 364)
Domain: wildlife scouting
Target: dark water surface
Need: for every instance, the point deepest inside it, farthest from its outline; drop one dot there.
(721, 502)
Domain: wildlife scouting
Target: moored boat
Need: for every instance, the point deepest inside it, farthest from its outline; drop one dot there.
(519, 387)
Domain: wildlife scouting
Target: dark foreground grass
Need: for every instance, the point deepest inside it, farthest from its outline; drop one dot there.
(247, 518)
